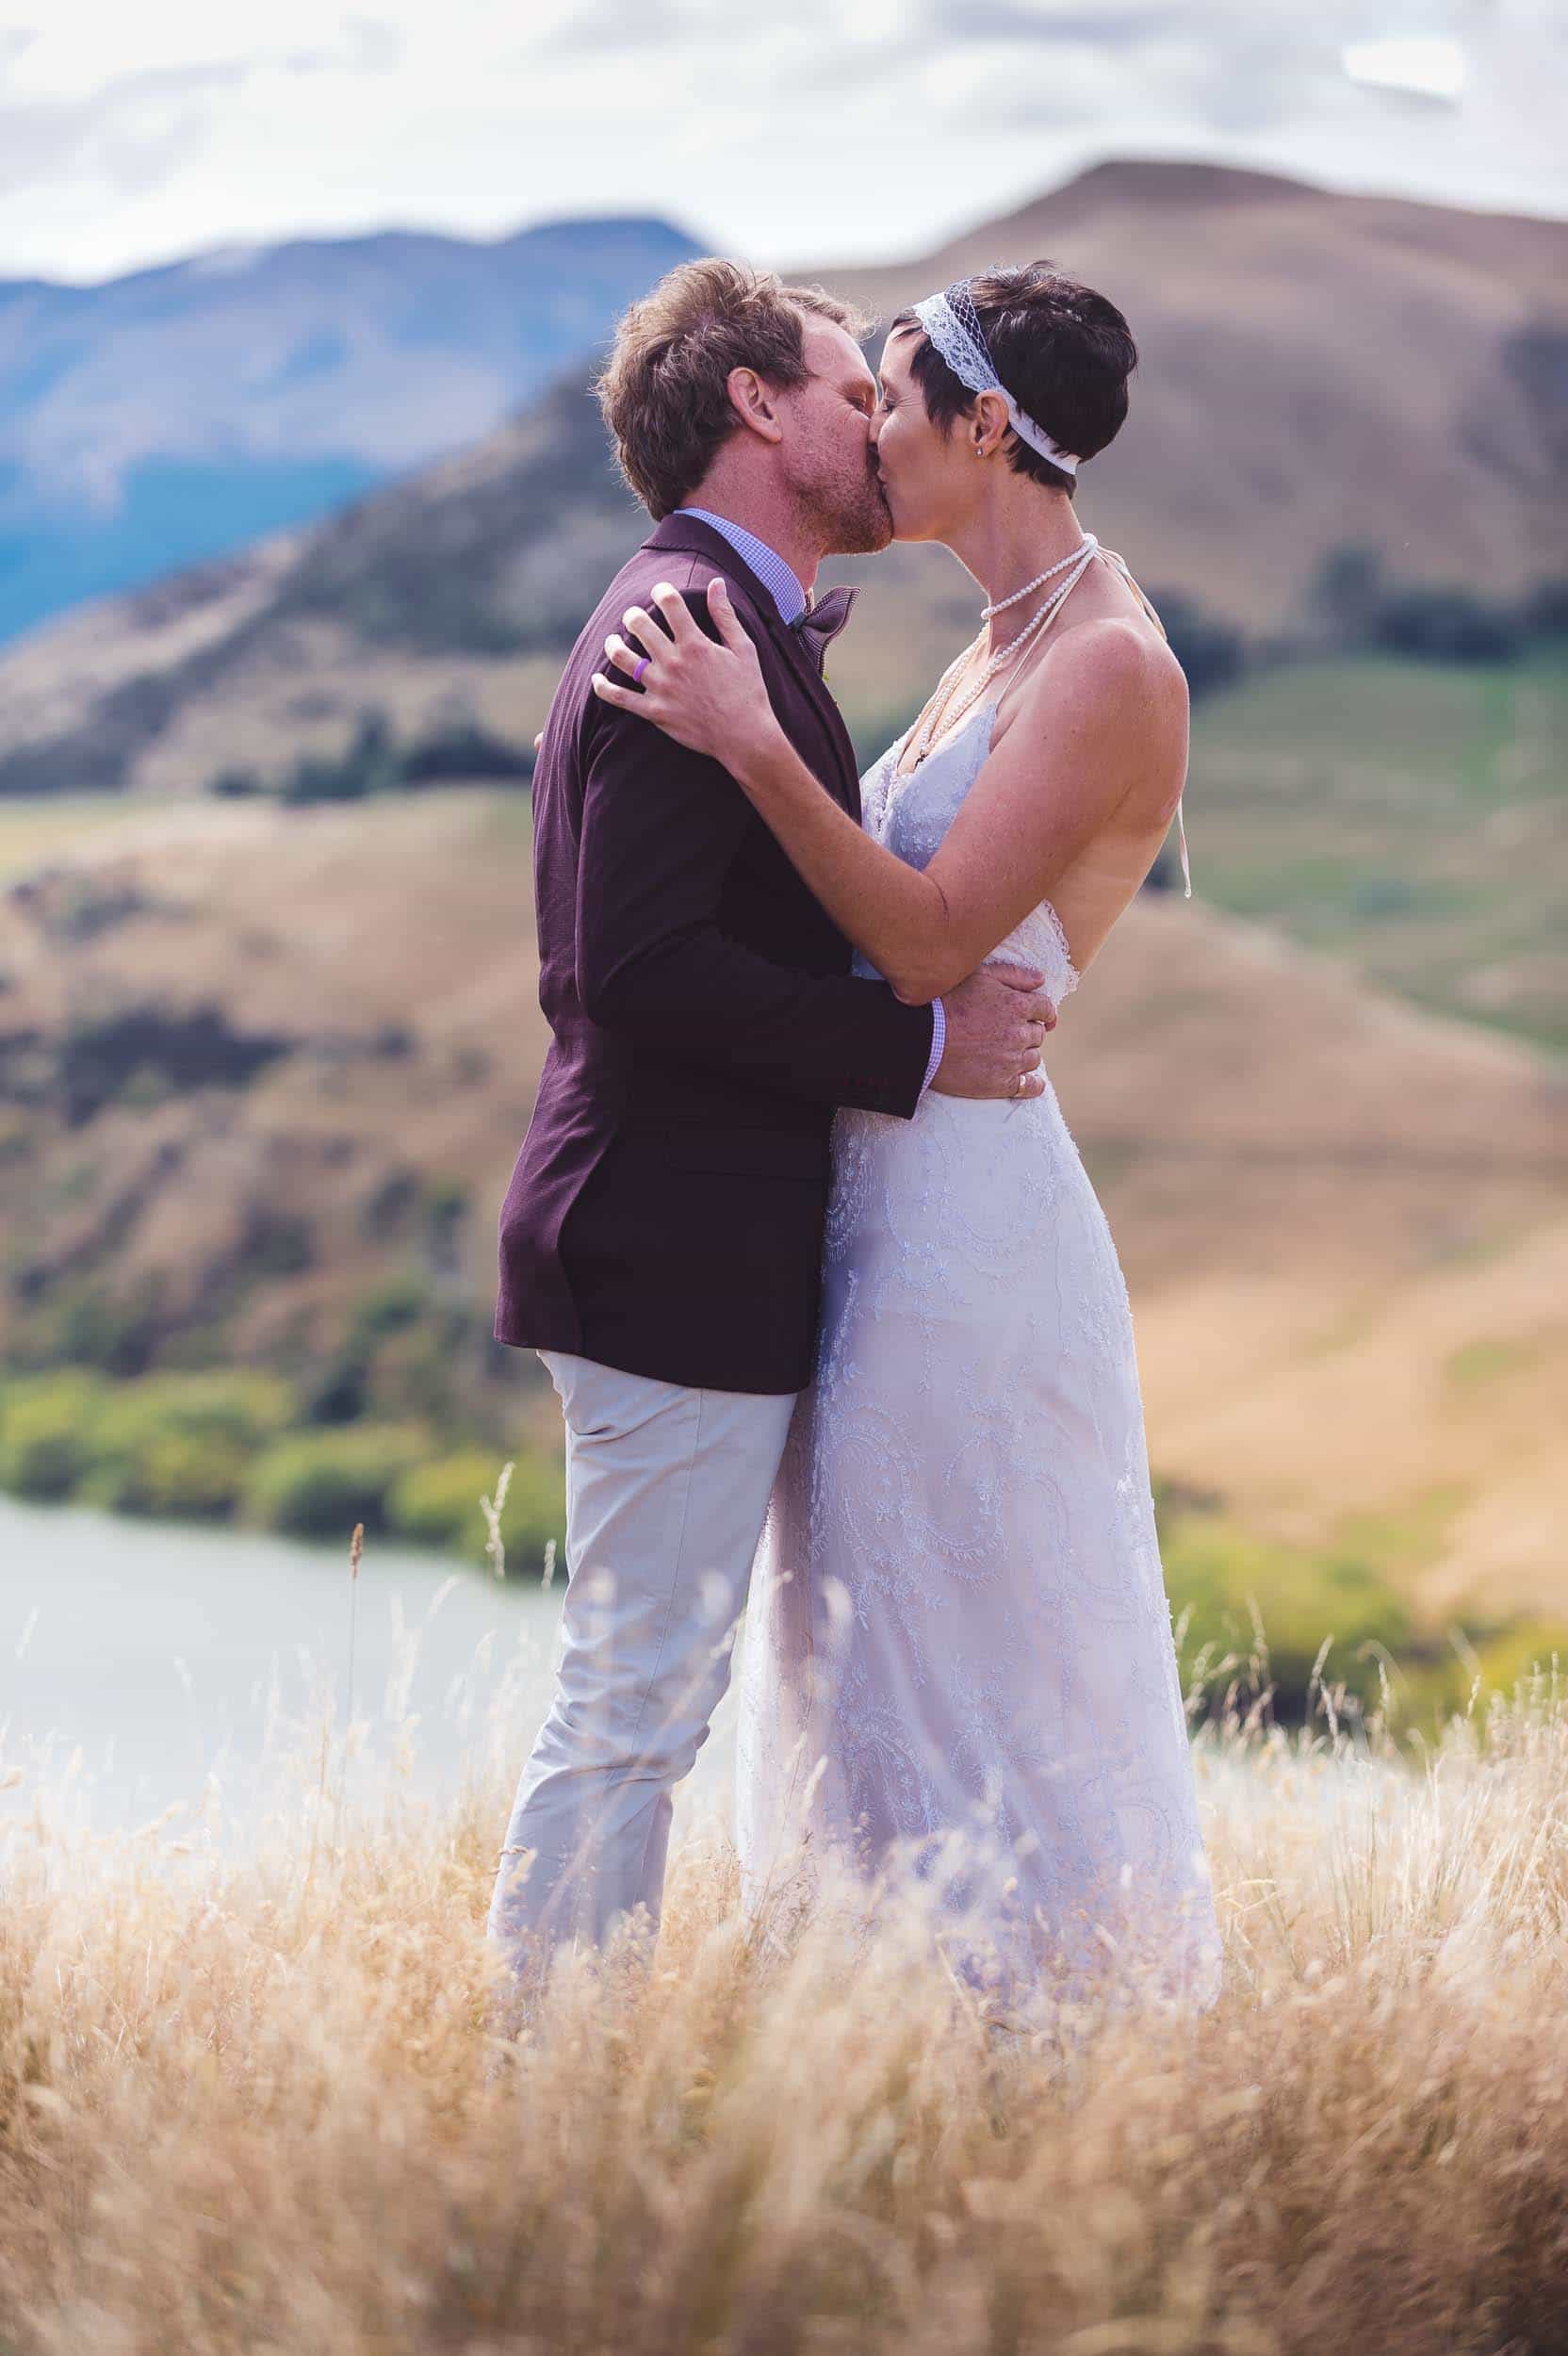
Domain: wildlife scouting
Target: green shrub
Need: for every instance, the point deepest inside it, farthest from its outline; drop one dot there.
(1442, 1684)
(45, 1431)
(1445, 625)
(398, 1302)
(463, 747)
(174, 1473)
(367, 765)
(318, 1484)
(94, 1325)
(1212, 1570)
(279, 1243)
(1517, 1651)
(438, 1505)
(180, 1444)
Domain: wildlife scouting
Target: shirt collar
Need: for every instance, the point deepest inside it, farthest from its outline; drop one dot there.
(777, 577)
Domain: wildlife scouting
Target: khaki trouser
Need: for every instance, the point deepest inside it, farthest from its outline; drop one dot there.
(667, 1491)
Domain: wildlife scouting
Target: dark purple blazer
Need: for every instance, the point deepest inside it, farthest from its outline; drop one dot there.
(665, 1212)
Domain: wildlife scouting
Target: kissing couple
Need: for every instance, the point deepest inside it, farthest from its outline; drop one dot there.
(798, 1228)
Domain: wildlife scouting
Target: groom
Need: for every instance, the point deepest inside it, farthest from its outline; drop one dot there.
(660, 1237)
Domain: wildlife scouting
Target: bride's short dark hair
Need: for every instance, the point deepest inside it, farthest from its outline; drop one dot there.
(1064, 352)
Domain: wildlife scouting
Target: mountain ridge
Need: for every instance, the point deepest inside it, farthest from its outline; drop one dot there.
(1257, 446)
(215, 256)
(1141, 182)
(175, 414)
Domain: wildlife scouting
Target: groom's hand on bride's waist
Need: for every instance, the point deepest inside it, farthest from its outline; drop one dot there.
(996, 1026)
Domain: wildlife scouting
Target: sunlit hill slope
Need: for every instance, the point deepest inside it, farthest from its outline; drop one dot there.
(257, 1062)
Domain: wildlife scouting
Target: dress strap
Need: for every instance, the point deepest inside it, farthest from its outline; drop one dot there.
(1121, 564)
(1181, 833)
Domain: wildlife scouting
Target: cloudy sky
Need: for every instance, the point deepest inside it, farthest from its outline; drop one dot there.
(133, 135)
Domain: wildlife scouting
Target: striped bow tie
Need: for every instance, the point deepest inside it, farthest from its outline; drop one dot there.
(822, 621)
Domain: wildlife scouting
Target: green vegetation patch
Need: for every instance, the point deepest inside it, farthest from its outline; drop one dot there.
(455, 750)
(1254, 1613)
(46, 1426)
(1256, 1619)
(180, 1444)
(228, 1444)
(438, 1504)
(1403, 815)
(164, 1444)
(318, 1484)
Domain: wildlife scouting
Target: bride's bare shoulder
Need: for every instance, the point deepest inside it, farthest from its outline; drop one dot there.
(1111, 693)
(1108, 666)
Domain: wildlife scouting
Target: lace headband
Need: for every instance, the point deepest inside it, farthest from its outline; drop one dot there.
(953, 326)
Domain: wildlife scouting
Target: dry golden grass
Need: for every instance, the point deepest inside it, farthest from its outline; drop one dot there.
(255, 2105)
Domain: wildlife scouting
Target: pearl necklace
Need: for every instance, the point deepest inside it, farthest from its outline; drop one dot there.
(1088, 541)
(943, 712)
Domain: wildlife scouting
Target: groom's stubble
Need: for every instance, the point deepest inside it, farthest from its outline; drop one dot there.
(846, 512)
(833, 478)
(861, 525)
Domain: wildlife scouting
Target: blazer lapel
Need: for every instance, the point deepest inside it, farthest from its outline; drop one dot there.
(816, 687)
(690, 534)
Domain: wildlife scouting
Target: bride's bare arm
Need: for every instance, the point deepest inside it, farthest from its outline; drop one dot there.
(1061, 770)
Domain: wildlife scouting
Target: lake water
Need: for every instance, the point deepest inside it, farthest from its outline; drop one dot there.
(137, 1659)
(147, 1667)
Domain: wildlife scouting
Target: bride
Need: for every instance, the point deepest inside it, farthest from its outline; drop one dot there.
(959, 1670)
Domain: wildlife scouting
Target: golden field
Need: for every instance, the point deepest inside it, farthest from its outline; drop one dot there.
(260, 2105)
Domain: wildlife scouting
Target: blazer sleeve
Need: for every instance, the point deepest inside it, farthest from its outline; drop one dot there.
(660, 827)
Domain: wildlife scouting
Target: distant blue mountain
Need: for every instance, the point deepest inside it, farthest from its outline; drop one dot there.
(175, 414)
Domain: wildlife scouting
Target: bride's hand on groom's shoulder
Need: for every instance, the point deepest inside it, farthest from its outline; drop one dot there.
(709, 694)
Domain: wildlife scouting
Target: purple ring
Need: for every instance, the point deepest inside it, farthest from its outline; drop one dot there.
(639, 667)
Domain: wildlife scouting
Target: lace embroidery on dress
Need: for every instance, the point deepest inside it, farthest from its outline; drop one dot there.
(959, 1666)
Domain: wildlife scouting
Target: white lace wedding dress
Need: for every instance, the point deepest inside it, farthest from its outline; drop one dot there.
(958, 1657)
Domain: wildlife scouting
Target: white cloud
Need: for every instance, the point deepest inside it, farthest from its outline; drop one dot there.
(1426, 66)
(130, 136)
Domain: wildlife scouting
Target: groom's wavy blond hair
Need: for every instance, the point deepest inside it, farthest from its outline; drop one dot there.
(664, 391)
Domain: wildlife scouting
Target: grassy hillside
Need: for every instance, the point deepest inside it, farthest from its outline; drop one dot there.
(1405, 818)
(262, 1072)
(1314, 365)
